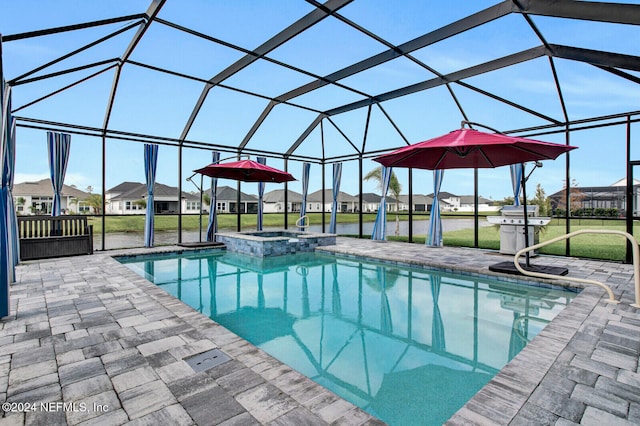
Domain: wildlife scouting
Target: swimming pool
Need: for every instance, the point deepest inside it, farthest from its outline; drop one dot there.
(408, 345)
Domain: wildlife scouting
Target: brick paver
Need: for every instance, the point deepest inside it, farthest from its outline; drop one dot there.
(87, 330)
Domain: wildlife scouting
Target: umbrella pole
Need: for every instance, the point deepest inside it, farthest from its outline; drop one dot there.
(526, 215)
(200, 216)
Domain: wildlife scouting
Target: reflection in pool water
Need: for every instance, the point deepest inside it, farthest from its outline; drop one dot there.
(408, 345)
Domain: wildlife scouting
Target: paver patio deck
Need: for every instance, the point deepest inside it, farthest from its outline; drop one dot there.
(89, 331)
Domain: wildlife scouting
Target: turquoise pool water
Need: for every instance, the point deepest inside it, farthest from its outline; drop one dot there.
(408, 345)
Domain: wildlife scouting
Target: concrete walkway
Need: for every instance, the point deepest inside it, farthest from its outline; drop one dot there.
(91, 342)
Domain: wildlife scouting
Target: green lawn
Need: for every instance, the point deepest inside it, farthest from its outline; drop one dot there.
(609, 247)
(225, 221)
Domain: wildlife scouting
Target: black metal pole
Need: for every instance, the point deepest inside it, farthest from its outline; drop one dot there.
(238, 201)
(322, 197)
(103, 213)
(286, 197)
(567, 197)
(360, 189)
(629, 207)
(411, 205)
(476, 210)
(200, 217)
(179, 194)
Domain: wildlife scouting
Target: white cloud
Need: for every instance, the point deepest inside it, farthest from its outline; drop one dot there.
(72, 179)
(29, 177)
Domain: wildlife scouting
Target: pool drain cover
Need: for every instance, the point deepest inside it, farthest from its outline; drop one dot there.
(207, 360)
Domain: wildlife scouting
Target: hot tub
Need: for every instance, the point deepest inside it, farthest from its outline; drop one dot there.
(274, 243)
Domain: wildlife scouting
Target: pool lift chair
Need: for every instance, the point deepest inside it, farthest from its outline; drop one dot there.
(540, 273)
(302, 223)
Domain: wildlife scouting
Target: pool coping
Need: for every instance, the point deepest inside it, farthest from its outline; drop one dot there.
(583, 367)
(266, 244)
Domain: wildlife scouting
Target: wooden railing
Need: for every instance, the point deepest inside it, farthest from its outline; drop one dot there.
(54, 236)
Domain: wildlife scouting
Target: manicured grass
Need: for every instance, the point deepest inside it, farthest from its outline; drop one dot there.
(225, 221)
(608, 247)
(595, 246)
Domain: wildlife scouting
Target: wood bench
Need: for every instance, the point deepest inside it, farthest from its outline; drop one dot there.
(43, 237)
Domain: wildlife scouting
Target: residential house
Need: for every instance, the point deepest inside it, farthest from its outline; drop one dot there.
(600, 197)
(273, 201)
(346, 203)
(448, 201)
(468, 203)
(37, 198)
(227, 200)
(421, 203)
(370, 202)
(130, 198)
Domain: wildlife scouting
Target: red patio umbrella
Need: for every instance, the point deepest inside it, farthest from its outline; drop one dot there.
(246, 171)
(469, 148)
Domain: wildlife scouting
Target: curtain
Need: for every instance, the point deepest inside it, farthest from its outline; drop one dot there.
(58, 145)
(386, 323)
(337, 176)
(7, 185)
(7, 170)
(263, 161)
(212, 227)
(212, 266)
(434, 237)
(380, 225)
(150, 163)
(336, 301)
(437, 326)
(516, 181)
(6, 265)
(306, 168)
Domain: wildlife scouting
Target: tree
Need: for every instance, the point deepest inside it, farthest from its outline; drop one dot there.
(72, 201)
(394, 187)
(540, 199)
(142, 203)
(95, 202)
(20, 201)
(575, 197)
(507, 201)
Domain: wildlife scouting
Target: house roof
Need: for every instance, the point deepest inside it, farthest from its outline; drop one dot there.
(470, 199)
(227, 193)
(123, 187)
(43, 188)
(137, 191)
(343, 197)
(623, 182)
(444, 195)
(370, 197)
(277, 196)
(417, 199)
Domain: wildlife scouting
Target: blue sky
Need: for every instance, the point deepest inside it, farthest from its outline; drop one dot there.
(158, 104)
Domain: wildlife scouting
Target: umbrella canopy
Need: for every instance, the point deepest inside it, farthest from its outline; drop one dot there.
(469, 148)
(246, 171)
